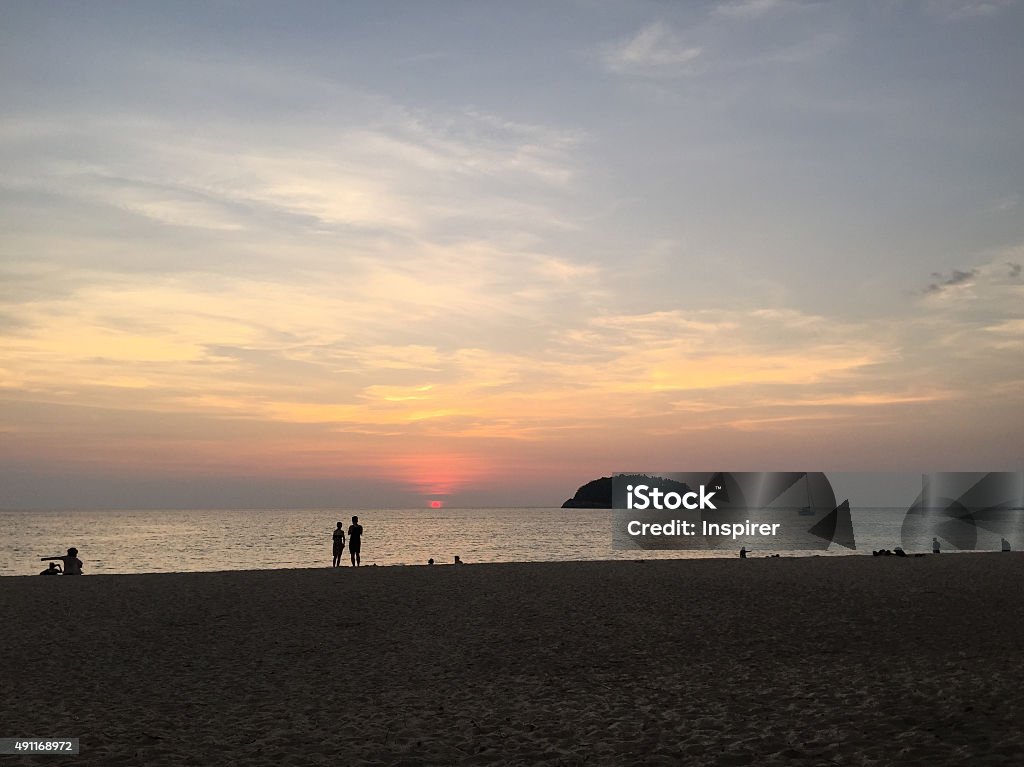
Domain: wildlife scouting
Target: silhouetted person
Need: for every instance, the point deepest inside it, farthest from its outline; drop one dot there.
(339, 544)
(1005, 544)
(355, 540)
(72, 564)
(743, 552)
(899, 552)
(430, 561)
(53, 569)
(457, 560)
(935, 546)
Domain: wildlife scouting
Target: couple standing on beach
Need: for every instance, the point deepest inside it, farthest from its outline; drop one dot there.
(355, 542)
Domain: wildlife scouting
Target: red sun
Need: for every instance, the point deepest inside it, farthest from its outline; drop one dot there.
(436, 504)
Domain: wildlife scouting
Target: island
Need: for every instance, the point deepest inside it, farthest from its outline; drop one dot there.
(597, 494)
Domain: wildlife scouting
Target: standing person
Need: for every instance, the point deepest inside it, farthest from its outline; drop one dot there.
(355, 540)
(935, 545)
(72, 564)
(339, 544)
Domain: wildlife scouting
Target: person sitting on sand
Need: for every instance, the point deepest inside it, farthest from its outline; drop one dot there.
(457, 560)
(339, 544)
(72, 564)
(53, 569)
(899, 552)
(355, 540)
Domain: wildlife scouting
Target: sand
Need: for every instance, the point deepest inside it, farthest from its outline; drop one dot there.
(816, 661)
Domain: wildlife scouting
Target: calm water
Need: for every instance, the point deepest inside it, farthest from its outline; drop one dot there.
(175, 541)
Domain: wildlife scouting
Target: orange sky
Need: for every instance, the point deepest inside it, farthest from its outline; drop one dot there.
(277, 260)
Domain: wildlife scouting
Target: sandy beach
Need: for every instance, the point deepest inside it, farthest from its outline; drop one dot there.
(817, 661)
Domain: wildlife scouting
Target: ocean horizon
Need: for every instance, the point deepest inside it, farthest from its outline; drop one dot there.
(187, 540)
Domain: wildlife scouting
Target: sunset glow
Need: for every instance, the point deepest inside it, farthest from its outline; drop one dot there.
(342, 273)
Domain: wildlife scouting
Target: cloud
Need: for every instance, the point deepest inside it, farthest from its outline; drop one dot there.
(955, 277)
(1008, 203)
(371, 372)
(751, 9)
(967, 318)
(987, 280)
(655, 50)
(956, 10)
(375, 170)
(448, 348)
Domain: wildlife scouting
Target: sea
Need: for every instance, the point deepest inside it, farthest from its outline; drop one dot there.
(153, 541)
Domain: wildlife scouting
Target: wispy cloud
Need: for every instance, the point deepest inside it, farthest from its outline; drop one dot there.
(655, 50)
(969, 320)
(955, 277)
(987, 279)
(332, 173)
(752, 9)
(1008, 203)
(956, 10)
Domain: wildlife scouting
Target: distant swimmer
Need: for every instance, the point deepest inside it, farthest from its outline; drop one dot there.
(1005, 544)
(339, 544)
(935, 546)
(53, 569)
(355, 540)
(72, 564)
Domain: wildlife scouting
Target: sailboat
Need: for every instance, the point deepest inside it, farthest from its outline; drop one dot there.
(808, 510)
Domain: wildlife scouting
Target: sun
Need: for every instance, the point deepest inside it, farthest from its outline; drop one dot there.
(436, 504)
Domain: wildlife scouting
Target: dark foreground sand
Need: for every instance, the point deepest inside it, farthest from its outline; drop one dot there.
(815, 661)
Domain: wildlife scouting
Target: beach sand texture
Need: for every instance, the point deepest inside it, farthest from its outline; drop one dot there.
(815, 661)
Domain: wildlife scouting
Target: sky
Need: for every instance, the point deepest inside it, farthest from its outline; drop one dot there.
(382, 254)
